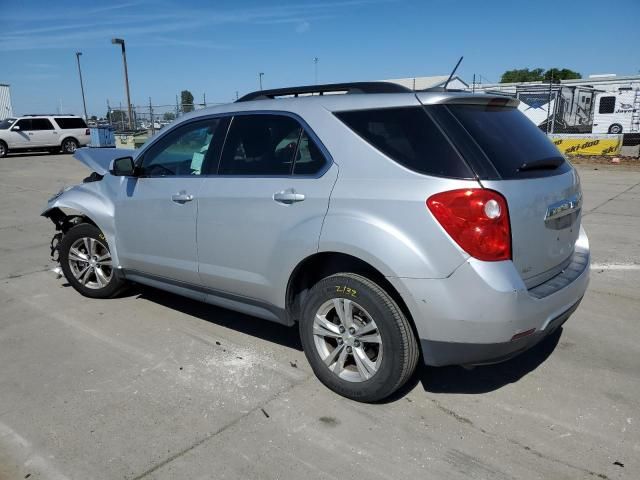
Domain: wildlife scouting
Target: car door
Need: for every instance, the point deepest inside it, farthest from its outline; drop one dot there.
(43, 134)
(22, 136)
(263, 210)
(155, 214)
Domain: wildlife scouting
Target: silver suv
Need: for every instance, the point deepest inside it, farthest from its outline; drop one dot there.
(390, 225)
(43, 132)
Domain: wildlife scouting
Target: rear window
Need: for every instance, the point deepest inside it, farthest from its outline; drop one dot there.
(408, 136)
(68, 123)
(512, 142)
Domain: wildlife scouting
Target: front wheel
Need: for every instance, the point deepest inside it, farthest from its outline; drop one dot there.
(86, 262)
(3, 149)
(358, 341)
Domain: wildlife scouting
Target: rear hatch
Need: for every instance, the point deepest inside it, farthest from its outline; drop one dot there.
(513, 157)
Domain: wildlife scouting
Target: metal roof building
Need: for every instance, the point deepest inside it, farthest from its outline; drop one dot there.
(6, 109)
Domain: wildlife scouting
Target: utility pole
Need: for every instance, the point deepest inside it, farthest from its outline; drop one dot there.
(260, 79)
(549, 104)
(120, 41)
(204, 100)
(84, 104)
(315, 69)
(237, 96)
(153, 127)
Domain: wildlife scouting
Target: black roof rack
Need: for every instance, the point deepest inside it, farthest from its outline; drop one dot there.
(355, 87)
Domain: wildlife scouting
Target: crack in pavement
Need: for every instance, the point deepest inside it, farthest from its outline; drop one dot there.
(465, 421)
(211, 435)
(609, 200)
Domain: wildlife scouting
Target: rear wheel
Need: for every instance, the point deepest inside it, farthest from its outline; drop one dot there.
(86, 262)
(3, 149)
(358, 341)
(616, 128)
(69, 145)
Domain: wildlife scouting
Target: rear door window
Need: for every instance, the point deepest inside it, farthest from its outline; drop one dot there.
(260, 145)
(41, 124)
(515, 146)
(408, 136)
(69, 123)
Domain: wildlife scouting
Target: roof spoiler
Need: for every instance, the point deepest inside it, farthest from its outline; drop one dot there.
(354, 87)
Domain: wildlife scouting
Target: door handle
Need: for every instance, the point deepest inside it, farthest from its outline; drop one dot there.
(181, 197)
(288, 197)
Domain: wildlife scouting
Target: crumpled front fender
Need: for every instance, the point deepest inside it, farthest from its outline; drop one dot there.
(87, 200)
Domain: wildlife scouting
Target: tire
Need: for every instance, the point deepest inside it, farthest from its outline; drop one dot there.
(69, 145)
(326, 339)
(616, 128)
(91, 275)
(3, 149)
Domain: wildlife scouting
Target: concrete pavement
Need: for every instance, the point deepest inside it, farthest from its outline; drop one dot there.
(156, 386)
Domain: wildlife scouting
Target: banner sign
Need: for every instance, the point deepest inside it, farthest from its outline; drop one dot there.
(587, 144)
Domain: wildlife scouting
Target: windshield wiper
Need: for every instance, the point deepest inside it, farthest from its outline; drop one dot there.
(543, 164)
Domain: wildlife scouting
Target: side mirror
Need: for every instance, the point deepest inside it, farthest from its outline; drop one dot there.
(15, 128)
(123, 167)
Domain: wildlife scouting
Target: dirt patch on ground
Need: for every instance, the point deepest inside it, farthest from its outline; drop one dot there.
(601, 161)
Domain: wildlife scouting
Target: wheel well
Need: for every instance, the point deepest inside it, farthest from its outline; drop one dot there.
(320, 265)
(69, 137)
(64, 221)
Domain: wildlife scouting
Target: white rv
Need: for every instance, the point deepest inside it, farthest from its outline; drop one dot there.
(617, 112)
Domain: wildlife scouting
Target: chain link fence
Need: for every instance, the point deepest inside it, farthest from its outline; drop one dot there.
(150, 117)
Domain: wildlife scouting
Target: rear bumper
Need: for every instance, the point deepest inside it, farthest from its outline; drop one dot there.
(452, 353)
(478, 314)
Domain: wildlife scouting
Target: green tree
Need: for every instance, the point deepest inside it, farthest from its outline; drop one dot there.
(186, 100)
(558, 74)
(538, 75)
(169, 116)
(522, 75)
(94, 118)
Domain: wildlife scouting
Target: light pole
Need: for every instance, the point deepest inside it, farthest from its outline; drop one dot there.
(260, 79)
(315, 69)
(84, 104)
(120, 41)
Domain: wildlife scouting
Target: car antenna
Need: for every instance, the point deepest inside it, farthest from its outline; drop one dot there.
(454, 71)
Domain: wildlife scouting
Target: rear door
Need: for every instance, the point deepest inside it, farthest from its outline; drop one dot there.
(264, 208)
(541, 188)
(43, 133)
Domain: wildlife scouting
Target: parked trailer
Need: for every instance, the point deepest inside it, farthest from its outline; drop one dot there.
(617, 112)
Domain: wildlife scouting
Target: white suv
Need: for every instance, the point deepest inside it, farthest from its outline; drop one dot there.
(43, 132)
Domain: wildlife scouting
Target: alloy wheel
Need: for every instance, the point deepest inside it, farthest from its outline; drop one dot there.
(90, 263)
(347, 339)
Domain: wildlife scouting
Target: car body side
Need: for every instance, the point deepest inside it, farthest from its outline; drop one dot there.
(377, 215)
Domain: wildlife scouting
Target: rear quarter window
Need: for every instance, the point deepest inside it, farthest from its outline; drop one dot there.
(408, 136)
(69, 123)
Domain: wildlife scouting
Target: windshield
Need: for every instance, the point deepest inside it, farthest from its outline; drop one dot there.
(513, 143)
(6, 123)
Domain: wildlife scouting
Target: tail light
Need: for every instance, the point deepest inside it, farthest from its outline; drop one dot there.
(87, 132)
(477, 219)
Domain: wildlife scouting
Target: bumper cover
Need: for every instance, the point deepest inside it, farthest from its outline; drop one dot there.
(437, 353)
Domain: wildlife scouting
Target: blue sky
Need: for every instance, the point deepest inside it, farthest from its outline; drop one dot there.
(218, 47)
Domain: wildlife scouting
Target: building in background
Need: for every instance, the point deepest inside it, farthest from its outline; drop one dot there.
(6, 109)
(423, 83)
